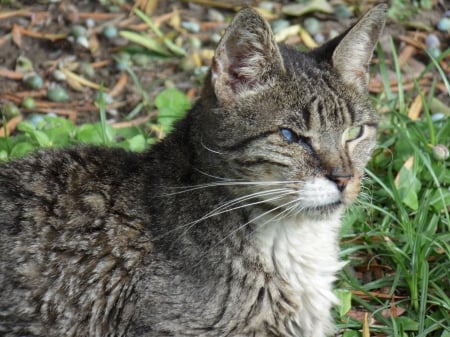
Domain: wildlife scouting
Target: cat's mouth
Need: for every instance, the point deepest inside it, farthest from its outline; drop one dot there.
(324, 209)
(313, 196)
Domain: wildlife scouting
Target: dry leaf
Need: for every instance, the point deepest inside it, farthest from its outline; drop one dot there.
(17, 35)
(415, 108)
(366, 330)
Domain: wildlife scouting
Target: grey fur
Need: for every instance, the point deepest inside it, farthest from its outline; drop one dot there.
(101, 242)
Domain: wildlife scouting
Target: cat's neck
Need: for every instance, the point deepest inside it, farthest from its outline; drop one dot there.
(302, 254)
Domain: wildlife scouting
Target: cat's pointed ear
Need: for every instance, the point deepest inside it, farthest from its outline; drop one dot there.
(351, 52)
(246, 58)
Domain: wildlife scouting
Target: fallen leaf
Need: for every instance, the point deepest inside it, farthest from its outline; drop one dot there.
(366, 329)
(415, 108)
(311, 6)
(17, 35)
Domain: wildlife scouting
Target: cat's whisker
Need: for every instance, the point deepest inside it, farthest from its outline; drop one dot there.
(224, 208)
(231, 184)
(215, 213)
(211, 176)
(256, 218)
(209, 149)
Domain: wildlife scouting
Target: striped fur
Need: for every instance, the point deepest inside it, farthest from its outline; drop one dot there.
(228, 227)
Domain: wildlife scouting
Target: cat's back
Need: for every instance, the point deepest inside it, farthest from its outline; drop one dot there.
(72, 222)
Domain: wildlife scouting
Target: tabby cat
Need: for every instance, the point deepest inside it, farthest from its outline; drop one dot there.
(228, 227)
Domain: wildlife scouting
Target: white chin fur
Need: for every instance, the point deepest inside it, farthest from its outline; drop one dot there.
(318, 192)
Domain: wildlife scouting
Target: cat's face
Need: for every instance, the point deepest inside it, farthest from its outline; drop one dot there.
(298, 131)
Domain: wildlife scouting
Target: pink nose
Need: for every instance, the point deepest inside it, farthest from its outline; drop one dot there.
(341, 181)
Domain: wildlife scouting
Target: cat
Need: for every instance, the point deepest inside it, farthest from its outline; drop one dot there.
(227, 227)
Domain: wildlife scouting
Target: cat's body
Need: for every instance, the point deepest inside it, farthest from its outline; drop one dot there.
(226, 228)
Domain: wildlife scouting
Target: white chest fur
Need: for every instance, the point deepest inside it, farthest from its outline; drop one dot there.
(303, 256)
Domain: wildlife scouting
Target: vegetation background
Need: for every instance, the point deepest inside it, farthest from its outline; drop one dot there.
(119, 73)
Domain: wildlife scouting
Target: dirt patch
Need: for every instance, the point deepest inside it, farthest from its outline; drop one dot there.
(42, 34)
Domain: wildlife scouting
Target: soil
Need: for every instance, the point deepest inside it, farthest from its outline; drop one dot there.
(42, 33)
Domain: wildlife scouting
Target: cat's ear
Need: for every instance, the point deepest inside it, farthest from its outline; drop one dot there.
(246, 58)
(351, 52)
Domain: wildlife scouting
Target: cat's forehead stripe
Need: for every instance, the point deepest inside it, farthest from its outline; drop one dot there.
(325, 111)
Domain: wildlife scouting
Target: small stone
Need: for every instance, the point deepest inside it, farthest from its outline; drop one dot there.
(266, 5)
(215, 16)
(78, 30)
(90, 23)
(312, 25)
(59, 75)
(333, 33)
(432, 41)
(10, 110)
(342, 11)
(23, 64)
(319, 38)
(28, 103)
(440, 152)
(444, 24)
(86, 69)
(215, 37)
(34, 81)
(279, 25)
(83, 41)
(437, 117)
(110, 32)
(191, 26)
(57, 94)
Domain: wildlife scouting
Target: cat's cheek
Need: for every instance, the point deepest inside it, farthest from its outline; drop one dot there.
(351, 192)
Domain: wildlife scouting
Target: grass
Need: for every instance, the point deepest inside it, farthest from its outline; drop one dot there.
(396, 239)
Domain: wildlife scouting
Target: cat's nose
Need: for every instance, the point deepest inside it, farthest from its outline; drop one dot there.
(341, 180)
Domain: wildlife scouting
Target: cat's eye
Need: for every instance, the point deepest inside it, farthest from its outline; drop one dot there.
(353, 133)
(288, 135)
(291, 137)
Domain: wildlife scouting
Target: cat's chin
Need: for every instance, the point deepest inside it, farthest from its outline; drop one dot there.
(323, 211)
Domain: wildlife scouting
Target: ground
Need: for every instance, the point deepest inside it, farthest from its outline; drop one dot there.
(41, 32)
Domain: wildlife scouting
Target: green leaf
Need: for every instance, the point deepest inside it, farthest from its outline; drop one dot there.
(136, 143)
(172, 103)
(408, 187)
(26, 127)
(408, 324)
(351, 333)
(3, 155)
(41, 138)
(345, 300)
(145, 41)
(438, 201)
(21, 149)
(169, 44)
(90, 133)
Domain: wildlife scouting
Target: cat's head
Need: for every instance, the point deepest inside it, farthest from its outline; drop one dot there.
(292, 128)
